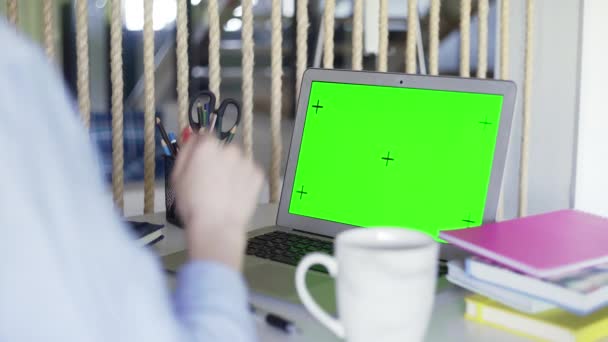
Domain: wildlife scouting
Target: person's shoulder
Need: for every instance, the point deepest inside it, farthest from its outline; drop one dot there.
(30, 85)
(17, 48)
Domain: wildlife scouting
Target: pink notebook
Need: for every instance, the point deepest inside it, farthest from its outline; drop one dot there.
(543, 245)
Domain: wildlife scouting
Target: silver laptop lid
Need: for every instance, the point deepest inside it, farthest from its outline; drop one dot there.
(390, 149)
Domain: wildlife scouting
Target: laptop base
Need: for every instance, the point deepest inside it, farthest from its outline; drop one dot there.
(274, 279)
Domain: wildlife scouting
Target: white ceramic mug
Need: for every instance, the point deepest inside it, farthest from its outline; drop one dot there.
(385, 284)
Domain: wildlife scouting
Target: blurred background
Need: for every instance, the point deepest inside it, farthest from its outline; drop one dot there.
(230, 50)
(556, 76)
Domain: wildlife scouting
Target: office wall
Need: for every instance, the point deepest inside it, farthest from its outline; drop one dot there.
(554, 104)
(592, 165)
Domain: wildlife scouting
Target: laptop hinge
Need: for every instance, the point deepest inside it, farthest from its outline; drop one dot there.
(306, 232)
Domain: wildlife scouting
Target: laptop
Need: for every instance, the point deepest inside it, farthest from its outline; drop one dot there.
(380, 149)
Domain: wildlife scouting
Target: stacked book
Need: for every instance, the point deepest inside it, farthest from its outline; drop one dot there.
(543, 276)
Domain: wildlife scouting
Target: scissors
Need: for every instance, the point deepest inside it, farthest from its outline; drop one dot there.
(203, 106)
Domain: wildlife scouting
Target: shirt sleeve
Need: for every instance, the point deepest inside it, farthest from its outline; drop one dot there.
(211, 301)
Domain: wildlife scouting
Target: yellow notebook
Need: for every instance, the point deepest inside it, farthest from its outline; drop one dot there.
(550, 325)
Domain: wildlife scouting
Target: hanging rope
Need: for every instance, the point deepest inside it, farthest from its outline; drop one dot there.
(328, 31)
(434, 37)
(48, 26)
(117, 103)
(149, 108)
(301, 42)
(504, 74)
(410, 44)
(82, 61)
(214, 48)
(12, 12)
(504, 39)
(383, 39)
(183, 72)
(525, 138)
(482, 53)
(357, 54)
(465, 38)
(275, 104)
(247, 85)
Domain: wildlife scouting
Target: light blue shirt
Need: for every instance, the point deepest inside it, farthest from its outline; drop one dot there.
(70, 270)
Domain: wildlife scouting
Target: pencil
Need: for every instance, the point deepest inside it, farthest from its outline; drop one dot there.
(201, 115)
(206, 114)
(165, 148)
(231, 135)
(164, 136)
(213, 119)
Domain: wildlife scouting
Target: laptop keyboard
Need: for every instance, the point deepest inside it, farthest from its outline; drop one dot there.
(290, 248)
(287, 248)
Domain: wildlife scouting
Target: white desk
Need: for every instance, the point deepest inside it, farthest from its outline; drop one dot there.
(447, 323)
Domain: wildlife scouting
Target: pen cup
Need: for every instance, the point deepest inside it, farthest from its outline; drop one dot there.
(170, 208)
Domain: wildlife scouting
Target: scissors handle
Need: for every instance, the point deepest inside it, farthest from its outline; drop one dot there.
(197, 124)
(221, 133)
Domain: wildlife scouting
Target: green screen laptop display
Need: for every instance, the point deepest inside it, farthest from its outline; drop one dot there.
(394, 156)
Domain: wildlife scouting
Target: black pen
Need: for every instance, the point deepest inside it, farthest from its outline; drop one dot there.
(275, 321)
(174, 141)
(165, 137)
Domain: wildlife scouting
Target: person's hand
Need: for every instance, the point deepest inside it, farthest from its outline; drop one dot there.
(216, 190)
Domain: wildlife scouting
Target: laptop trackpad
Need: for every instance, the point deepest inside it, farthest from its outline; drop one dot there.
(276, 280)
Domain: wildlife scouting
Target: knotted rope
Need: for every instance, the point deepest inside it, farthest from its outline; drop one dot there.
(116, 75)
(214, 48)
(504, 74)
(434, 37)
(328, 31)
(383, 36)
(465, 38)
(301, 42)
(525, 136)
(410, 44)
(247, 85)
(482, 53)
(357, 63)
(149, 108)
(12, 12)
(48, 27)
(275, 104)
(82, 61)
(183, 71)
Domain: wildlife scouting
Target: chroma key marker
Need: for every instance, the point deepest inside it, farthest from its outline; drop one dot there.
(388, 158)
(485, 123)
(468, 221)
(302, 192)
(316, 107)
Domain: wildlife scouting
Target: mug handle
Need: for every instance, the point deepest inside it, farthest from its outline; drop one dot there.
(311, 305)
